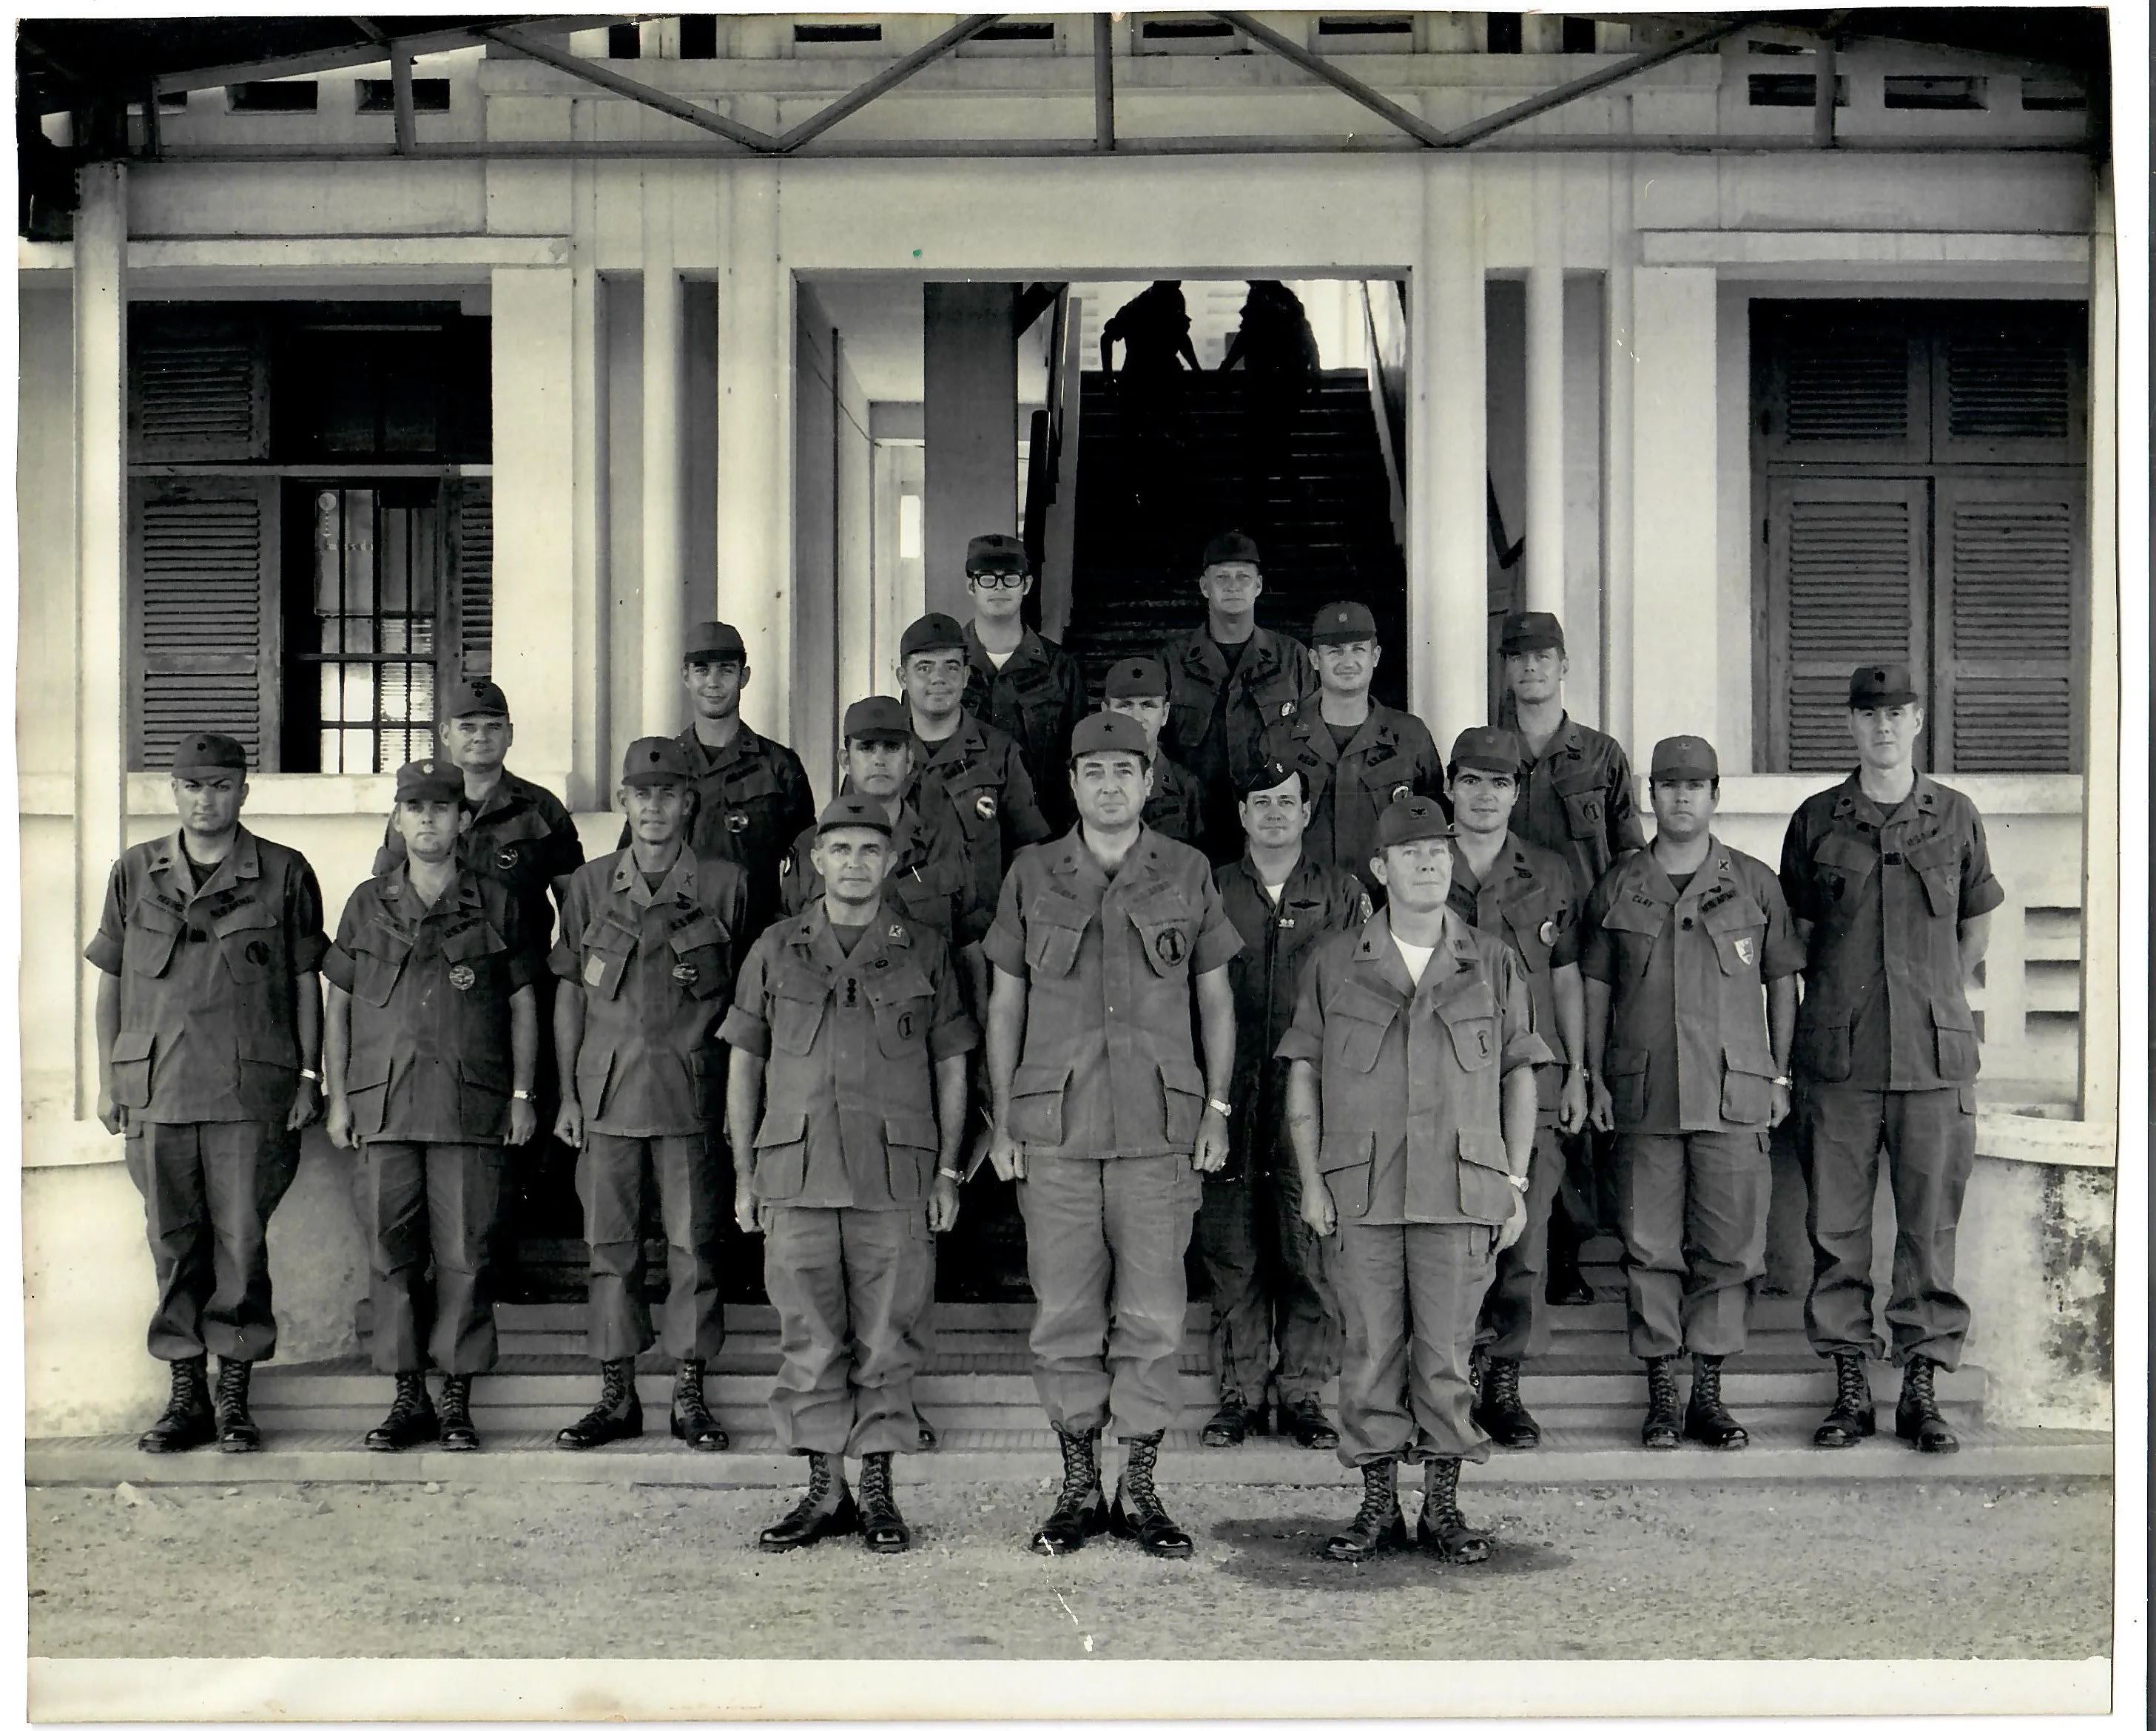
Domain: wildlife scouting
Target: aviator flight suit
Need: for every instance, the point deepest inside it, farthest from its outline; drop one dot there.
(845, 1157)
(205, 1064)
(1690, 1068)
(1390, 756)
(656, 969)
(929, 881)
(1037, 696)
(428, 1076)
(1412, 1148)
(981, 774)
(1887, 1051)
(1107, 1101)
(1223, 726)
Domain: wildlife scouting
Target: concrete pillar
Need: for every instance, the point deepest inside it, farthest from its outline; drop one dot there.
(2100, 757)
(591, 770)
(970, 409)
(1545, 515)
(664, 602)
(1617, 410)
(1448, 630)
(100, 502)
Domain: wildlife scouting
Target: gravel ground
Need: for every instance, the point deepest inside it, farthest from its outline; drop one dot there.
(2019, 1571)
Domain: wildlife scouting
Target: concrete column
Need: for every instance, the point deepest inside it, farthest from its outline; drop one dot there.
(535, 515)
(1545, 516)
(101, 574)
(1674, 455)
(2101, 754)
(596, 758)
(970, 410)
(1617, 442)
(662, 599)
(1448, 629)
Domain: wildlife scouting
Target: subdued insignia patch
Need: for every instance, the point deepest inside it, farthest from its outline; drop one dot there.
(462, 977)
(258, 952)
(1399, 792)
(736, 824)
(986, 805)
(1745, 950)
(1483, 1041)
(685, 972)
(906, 1025)
(505, 860)
(1171, 946)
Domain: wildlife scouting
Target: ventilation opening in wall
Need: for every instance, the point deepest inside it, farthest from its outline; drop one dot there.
(1913, 91)
(700, 36)
(1010, 30)
(1366, 27)
(1184, 29)
(1507, 34)
(2053, 96)
(624, 42)
(280, 96)
(172, 101)
(1577, 36)
(838, 33)
(379, 96)
(1791, 90)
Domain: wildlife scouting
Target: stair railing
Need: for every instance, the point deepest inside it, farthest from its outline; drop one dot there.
(1058, 515)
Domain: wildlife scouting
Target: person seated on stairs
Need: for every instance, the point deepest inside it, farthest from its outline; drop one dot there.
(846, 1109)
(650, 938)
(1027, 685)
(1691, 962)
(1138, 688)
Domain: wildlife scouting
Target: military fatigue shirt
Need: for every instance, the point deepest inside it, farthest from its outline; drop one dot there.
(1528, 900)
(1391, 756)
(521, 835)
(1110, 1065)
(851, 1044)
(1037, 696)
(209, 980)
(753, 798)
(931, 879)
(1267, 690)
(1176, 806)
(1688, 1047)
(1410, 1076)
(428, 1058)
(981, 775)
(657, 970)
(1884, 894)
(1576, 799)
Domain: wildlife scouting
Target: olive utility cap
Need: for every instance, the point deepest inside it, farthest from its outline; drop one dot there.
(1344, 622)
(428, 778)
(1231, 548)
(208, 751)
(1268, 775)
(1412, 819)
(1525, 632)
(849, 811)
(1141, 676)
(714, 640)
(1495, 751)
(1105, 730)
(997, 553)
(931, 631)
(474, 697)
(1684, 757)
(657, 762)
(875, 718)
(1881, 686)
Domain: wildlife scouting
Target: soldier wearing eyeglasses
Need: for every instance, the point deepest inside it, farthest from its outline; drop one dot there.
(1017, 680)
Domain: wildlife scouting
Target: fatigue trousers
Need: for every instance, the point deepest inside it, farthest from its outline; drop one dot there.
(1693, 1210)
(440, 1200)
(852, 1286)
(1270, 1292)
(1516, 1313)
(209, 1191)
(1930, 1138)
(614, 1175)
(1409, 1298)
(1104, 1245)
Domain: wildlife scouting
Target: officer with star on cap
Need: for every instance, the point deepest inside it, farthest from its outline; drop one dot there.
(1017, 680)
(208, 1034)
(1235, 689)
(1138, 688)
(1888, 876)
(1359, 756)
(650, 938)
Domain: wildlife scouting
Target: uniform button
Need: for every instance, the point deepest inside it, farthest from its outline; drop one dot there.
(1687, 925)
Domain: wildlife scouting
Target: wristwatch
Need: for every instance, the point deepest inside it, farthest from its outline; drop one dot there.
(309, 1076)
(520, 1093)
(1221, 1107)
(954, 1176)
(1517, 1181)
(1781, 1082)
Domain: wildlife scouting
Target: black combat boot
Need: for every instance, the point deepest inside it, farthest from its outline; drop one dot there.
(1304, 1419)
(1137, 1513)
(1230, 1425)
(826, 1512)
(883, 1527)
(188, 1420)
(411, 1417)
(1917, 1415)
(618, 1415)
(1501, 1411)
(1665, 1426)
(690, 1419)
(1851, 1418)
(460, 1435)
(1706, 1419)
(237, 1433)
(1379, 1525)
(1441, 1525)
(1079, 1513)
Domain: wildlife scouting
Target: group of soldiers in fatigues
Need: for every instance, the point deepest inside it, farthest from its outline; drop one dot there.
(1241, 954)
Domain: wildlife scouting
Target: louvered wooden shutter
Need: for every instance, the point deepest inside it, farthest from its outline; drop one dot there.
(199, 387)
(204, 564)
(472, 526)
(1847, 583)
(2008, 386)
(2010, 622)
(1842, 384)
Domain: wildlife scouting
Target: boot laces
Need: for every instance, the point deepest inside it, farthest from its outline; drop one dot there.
(688, 1395)
(1918, 1392)
(1081, 1472)
(1138, 1478)
(188, 1388)
(1852, 1389)
(456, 1400)
(411, 1396)
(818, 1490)
(232, 1380)
(874, 1496)
(1440, 1497)
(1661, 1384)
(1502, 1387)
(1707, 1382)
(1380, 1498)
(616, 1381)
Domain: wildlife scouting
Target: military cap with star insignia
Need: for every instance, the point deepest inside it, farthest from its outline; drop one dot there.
(1881, 685)
(207, 752)
(428, 780)
(1105, 730)
(930, 632)
(1140, 676)
(656, 761)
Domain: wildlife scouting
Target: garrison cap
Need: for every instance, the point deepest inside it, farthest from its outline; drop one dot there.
(714, 640)
(1140, 676)
(1412, 819)
(1105, 730)
(1268, 775)
(1343, 622)
(1881, 685)
(1684, 757)
(474, 697)
(207, 752)
(850, 811)
(1495, 751)
(931, 631)
(1229, 547)
(997, 553)
(1525, 632)
(656, 761)
(428, 778)
(877, 719)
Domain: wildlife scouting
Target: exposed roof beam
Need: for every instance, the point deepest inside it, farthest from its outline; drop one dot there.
(334, 59)
(597, 72)
(1345, 82)
(892, 75)
(1566, 93)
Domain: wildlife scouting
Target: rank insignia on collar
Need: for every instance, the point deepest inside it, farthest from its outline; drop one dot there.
(986, 805)
(462, 977)
(896, 931)
(1745, 950)
(505, 860)
(736, 822)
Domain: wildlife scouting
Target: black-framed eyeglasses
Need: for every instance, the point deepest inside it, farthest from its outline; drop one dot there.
(997, 579)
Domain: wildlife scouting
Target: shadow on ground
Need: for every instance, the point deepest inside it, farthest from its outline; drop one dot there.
(1290, 1553)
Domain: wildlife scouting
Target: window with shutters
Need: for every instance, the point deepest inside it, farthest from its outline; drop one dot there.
(1920, 475)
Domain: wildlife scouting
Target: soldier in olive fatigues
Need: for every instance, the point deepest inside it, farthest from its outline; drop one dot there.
(1175, 808)
(1889, 878)
(1411, 1102)
(431, 1040)
(846, 1100)
(1692, 994)
(208, 1032)
(1017, 680)
(651, 939)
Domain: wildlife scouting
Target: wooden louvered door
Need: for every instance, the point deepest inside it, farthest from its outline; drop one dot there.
(2008, 385)
(1842, 386)
(471, 554)
(198, 386)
